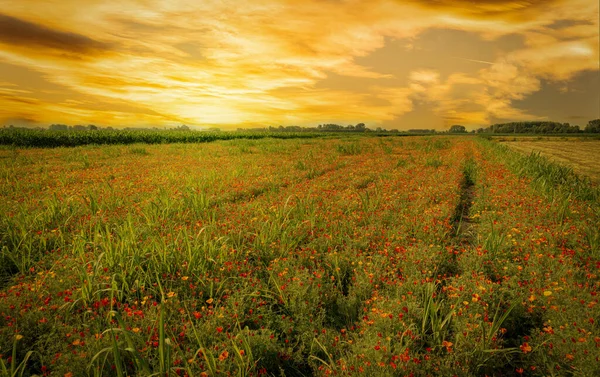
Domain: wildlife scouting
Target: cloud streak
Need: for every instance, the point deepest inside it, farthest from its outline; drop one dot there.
(20, 33)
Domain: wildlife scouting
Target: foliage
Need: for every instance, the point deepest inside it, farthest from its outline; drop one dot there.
(458, 129)
(60, 138)
(536, 127)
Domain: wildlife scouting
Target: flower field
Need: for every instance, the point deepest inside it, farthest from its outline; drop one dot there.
(374, 256)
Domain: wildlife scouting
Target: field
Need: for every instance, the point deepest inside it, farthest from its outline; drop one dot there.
(372, 256)
(583, 155)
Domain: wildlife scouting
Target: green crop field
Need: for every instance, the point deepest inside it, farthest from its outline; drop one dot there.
(345, 255)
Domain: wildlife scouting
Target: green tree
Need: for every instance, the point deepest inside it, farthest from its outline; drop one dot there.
(458, 129)
(593, 126)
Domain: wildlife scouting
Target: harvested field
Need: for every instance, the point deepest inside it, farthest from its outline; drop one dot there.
(582, 155)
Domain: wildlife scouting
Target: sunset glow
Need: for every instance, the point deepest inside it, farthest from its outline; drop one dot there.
(230, 64)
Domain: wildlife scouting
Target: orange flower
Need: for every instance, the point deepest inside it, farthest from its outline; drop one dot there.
(224, 355)
(447, 345)
(525, 347)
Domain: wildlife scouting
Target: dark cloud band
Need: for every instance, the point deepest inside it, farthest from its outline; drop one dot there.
(17, 32)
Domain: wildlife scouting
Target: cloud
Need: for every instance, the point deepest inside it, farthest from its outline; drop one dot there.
(486, 9)
(20, 33)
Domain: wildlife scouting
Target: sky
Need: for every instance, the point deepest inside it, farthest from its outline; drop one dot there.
(231, 63)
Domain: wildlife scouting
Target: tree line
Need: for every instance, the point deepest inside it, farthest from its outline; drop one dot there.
(540, 127)
(530, 127)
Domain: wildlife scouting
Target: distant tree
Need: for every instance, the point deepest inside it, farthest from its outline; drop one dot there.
(593, 126)
(92, 127)
(59, 127)
(458, 129)
(360, 127)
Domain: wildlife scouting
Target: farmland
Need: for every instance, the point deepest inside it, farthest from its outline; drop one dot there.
(582, 154)
(297, 257)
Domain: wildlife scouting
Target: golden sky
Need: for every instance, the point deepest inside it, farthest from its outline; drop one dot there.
(231, 63)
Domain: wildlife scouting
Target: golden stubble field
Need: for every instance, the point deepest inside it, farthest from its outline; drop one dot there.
(582, 154)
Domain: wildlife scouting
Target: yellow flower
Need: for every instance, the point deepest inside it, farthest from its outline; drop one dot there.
(547, 293)
(18, 337)
(171, 294)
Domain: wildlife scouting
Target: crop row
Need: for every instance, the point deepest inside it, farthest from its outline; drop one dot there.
(52, 139)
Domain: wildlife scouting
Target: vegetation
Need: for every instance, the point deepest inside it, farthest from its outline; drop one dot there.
(325, 256)
(458, 129)
(580, 154)
(72, 138)
(540, 127)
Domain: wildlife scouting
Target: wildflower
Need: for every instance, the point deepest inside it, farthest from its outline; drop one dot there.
(171, 294)
(447, 345)
(224, 355)
(525, 347)
(547, 293)
(18, 337)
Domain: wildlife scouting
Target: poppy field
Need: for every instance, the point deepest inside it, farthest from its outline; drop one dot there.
(351, 255)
